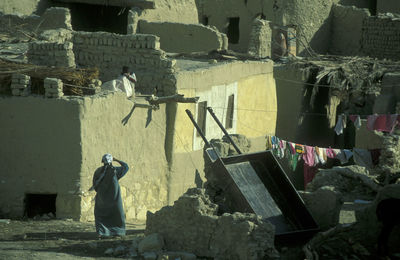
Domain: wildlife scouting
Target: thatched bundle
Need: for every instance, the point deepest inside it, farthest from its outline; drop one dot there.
(69, 76)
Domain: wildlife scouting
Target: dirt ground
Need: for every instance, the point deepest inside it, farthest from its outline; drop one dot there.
(67, 239)
(59, 239)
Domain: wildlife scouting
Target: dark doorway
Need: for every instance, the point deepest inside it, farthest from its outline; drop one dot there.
(204, 20)
(95, 18)
(39, 204)
(233, 30)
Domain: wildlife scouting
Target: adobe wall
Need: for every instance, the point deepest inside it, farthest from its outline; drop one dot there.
(381, 37)
(23, 7)
(140, 143)
(185, 38)
(141, 52)
(388, 6)
(41, 153)
(52, 18)
(51, 54)
(347, 27)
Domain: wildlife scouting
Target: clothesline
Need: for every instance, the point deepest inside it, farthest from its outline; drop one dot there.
(314, 155)
(376, 122)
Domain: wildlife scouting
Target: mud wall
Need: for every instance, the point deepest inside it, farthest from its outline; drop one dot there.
(141, 52)
(140, 143)
(179, 11)
(179, 37)
(381, 37)
(51, 54)
(41, 157)
(24, 7)
(388, 6)
(347, 28)
(52, 18)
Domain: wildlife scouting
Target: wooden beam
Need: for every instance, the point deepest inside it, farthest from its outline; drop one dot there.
(144, 4)
(178, 98)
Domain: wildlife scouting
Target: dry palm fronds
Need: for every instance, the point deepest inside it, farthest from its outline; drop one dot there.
(77, 77)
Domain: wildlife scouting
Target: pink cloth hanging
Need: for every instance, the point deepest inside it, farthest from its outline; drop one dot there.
(308, 156)
(330, 153)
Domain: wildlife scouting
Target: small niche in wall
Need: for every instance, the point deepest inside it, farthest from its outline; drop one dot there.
(40, 204)
(233, 30)
(229, 112)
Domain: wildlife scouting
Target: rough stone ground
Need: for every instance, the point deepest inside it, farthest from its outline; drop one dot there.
(60, 239)
(63, 239)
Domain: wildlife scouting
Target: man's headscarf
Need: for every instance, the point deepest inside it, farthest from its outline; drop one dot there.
(107, 158)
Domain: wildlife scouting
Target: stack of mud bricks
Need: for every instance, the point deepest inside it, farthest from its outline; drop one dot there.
(51, 54)
(20, 85)
(381, 37)
(260, 40)
(140, 52)
(53, 88)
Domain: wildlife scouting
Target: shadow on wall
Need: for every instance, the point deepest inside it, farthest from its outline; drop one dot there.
(95, 18)
(320, 42)
(42, 6)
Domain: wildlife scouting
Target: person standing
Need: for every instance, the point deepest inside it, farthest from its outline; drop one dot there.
(108, 210)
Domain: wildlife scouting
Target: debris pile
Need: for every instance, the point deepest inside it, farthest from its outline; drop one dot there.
(192, 225)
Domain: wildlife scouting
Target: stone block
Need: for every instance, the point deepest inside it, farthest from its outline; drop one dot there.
(152, 242)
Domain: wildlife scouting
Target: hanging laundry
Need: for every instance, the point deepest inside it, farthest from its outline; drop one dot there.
(316, 159)
(299, 148)
(308, 156)
(309, 174)
(384, 123)
(371, 122)
(293, 159)
(321, 154)
(343, 155)
(330, 153)
(282, 147)
(362, 157)
(375, 154)
(268, 143)
(292, 148)
(341, 124)
(356, 120)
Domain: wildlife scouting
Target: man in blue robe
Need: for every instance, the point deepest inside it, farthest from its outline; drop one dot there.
(108, 210)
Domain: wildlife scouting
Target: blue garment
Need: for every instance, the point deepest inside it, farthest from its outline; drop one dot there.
(108, 210)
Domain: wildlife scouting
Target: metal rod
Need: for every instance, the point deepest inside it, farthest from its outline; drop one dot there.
(224, 130)
(198, 128)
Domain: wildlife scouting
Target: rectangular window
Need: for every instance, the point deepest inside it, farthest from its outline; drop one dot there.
(233, 30)
(201, 116)
(229, 112)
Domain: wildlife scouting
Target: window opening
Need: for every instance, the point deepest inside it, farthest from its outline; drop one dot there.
(233, 30)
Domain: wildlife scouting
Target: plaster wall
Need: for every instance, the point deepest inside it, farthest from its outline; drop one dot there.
(186, 38)
(347, 26)
(40, 157)
(388, 6)
(140, 143)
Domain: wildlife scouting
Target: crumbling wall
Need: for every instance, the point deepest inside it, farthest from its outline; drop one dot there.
(179, 37)
(51, 54)
(388, 6)
(191, 225)
(52, 18)
(177, 11)
(347, 24)
(24, 7)
(260, 39)
(141, 52)
(381, 37)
